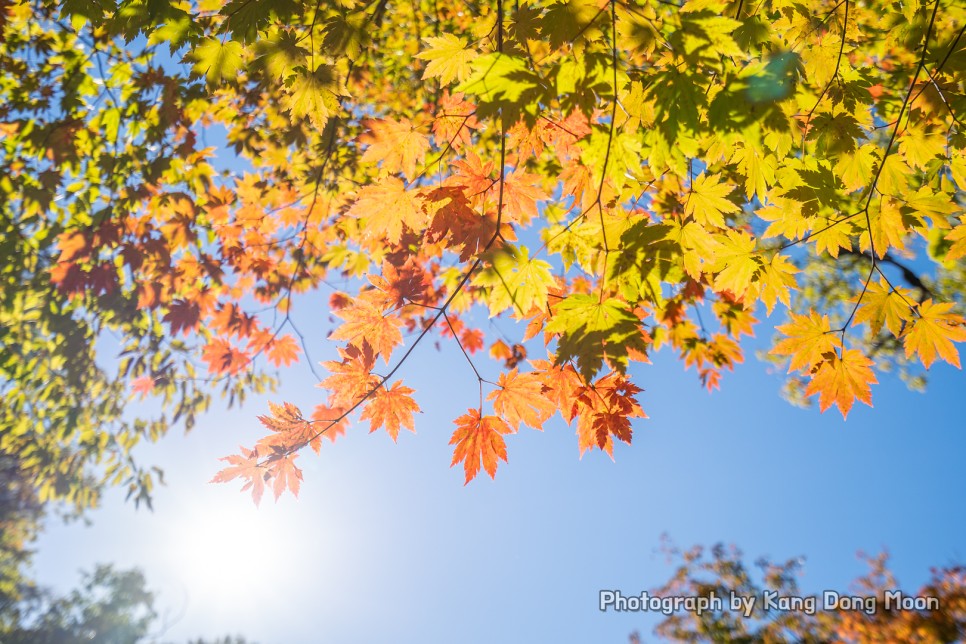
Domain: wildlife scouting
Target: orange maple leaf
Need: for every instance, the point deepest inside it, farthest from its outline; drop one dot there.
(391, 408)
(396, 144)
(222, 357)
(365, 322)
(560, 386)
(332, 423)
(520, 399)
(521, 193)
(810, 338)
(73, 245)
(456, 224)
(245, 466)
(286, 474)
(292, 430)
(840, 380)
(455, 120)
(934, 332)
(283, 351)
(479, 439)
(351, 377)
(386, 206)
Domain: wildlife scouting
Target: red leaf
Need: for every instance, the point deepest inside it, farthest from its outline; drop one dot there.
(143, 385)
(183, 316)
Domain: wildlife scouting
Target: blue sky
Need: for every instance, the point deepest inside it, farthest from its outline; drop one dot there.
(386, 544)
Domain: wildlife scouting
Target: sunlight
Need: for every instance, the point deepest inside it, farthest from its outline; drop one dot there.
(230, 554)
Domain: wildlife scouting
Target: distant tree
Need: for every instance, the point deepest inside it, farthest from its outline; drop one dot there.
(20, 515)
(724, 572)
(110, 607)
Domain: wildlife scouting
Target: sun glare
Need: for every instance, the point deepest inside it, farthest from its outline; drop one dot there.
(229, 554)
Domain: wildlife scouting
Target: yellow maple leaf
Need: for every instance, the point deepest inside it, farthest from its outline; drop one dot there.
(809, 339)
(883, 304)
(735, 262)
(775, 279)
(708, 202)
(449, 58)
(958, 239)
(934, 332)
(884, 228)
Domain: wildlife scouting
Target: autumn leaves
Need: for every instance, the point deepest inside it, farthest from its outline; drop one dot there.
(622, 177)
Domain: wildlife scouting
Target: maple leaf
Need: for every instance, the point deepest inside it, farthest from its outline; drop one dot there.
(592, 331)
(479, 439)
(842, 380)
(882, 303)
(183, 316)
(604, 411)
(775, 279)
(366, 323)
(285, 417)
(351, 377)
(809, 339)
(520, 196)
(331, 421)
(958, 238)
(386, 206)
(283, 351)
(934, 332)
(707, 201)
(515, 281)
(314, 95)
(73, 246)
(246, 466)
(510, 355)
(560, 385)
(735, 263)
(403, 284)
(456, 223)
(449, 58)
(885, 228)
(222, 357)
(455, 121)
(285, 474)
(143, 385)
(520, 399)
(291, 430)
(395, 144)
(218, 59)
(391, 408)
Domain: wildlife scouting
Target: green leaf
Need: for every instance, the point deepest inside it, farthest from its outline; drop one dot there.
(315, 96)
(217, 60)
(515, 281)
(592, 331)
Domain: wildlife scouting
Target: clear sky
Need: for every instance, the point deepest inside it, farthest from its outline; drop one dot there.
(386, 544)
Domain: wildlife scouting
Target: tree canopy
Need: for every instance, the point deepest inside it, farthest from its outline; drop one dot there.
(609, 177)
